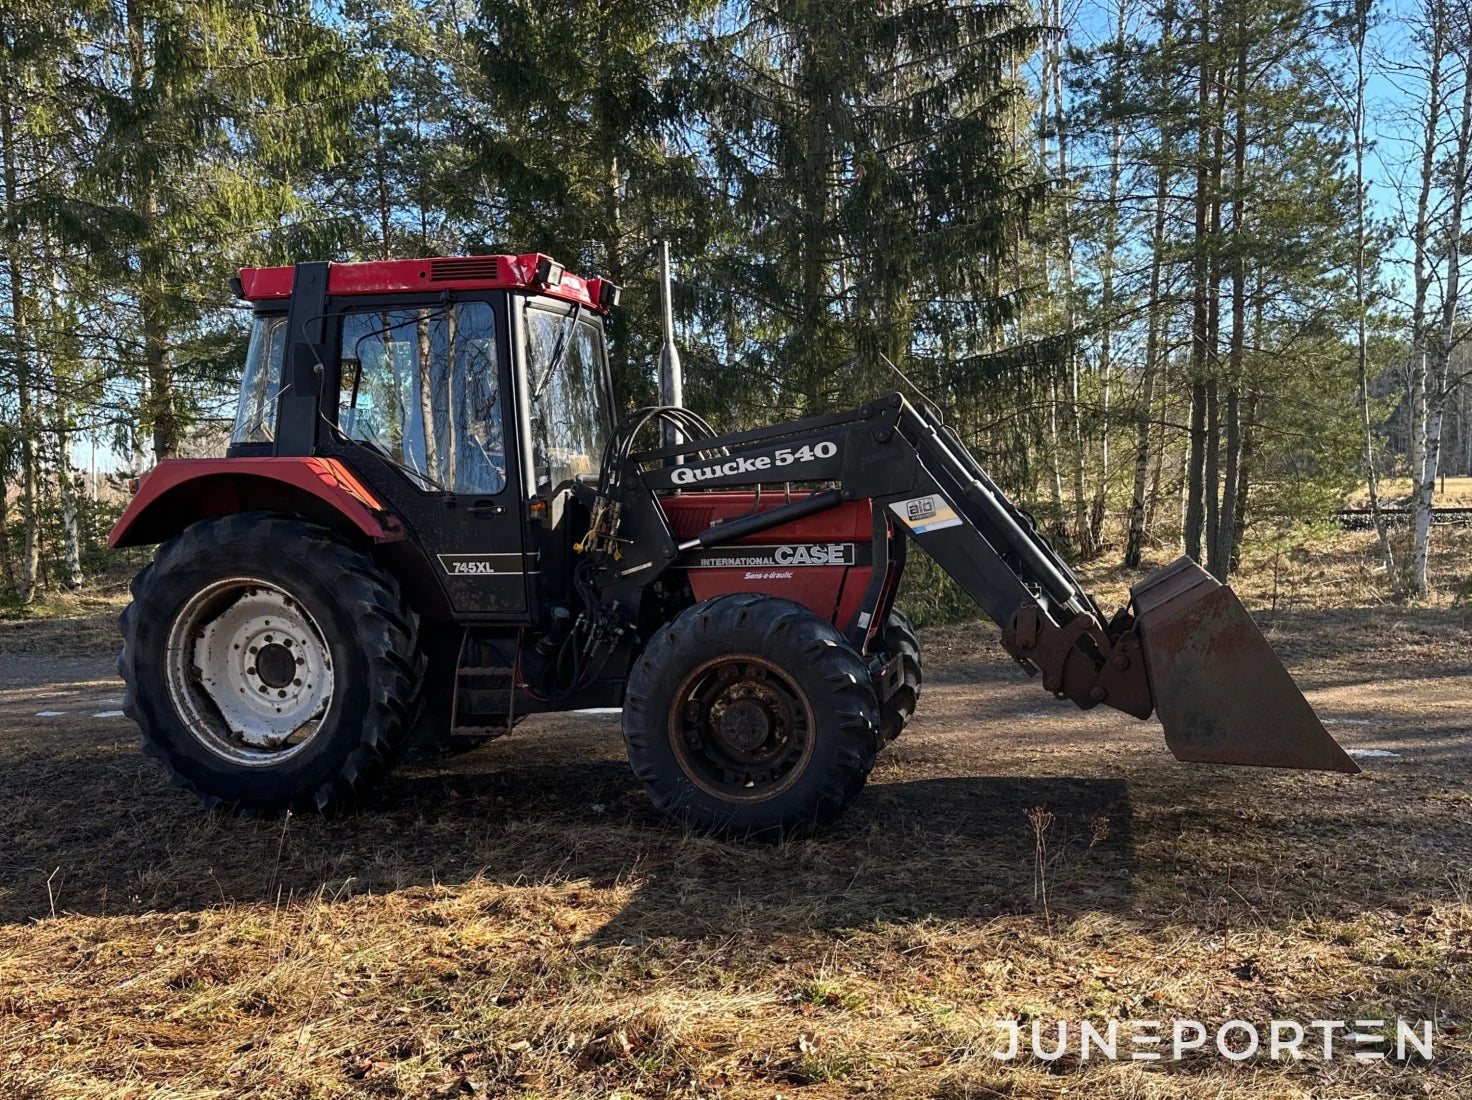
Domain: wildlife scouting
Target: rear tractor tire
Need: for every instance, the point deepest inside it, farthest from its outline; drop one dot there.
(270, 665)
(899, 638)
(750, 715)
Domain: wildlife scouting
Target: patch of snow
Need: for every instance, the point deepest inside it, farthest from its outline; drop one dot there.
(1346, 721)
(1370, 752)
(108, 714)
(49, 713)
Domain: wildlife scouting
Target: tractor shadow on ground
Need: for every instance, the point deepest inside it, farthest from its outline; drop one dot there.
(112, 840)
(925, 849)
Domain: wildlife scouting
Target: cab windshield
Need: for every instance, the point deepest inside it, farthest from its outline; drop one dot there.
(570, 417)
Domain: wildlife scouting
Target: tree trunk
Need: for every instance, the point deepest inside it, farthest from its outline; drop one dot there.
(7, 560)
(21, 350)
(452, 355)
(1361, 299)
(71, 536)
(426, 396)
(1106, 301)
(1443, 342)
(1420, 234)
(1134, 541)
(1152, 495)
(1244, 476)
(1226, 536)
(395, 413)
(817, 193)
(159, 410)
(1079, 456)
(380, 180)
(55, 377)
(1055, 462)
(1212, 475)
(1196, 468)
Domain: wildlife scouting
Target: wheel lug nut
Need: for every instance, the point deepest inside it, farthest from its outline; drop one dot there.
(255, 649)
(296, 683)
(250, 672)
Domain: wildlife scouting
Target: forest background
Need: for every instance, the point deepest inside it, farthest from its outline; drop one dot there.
(1181, 272)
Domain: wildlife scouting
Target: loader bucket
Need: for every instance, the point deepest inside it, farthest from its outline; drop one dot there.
(1221, 692)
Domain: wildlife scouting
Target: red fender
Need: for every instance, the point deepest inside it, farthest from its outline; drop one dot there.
(179, 491)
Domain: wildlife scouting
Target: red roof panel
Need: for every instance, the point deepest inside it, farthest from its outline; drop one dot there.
(436, 273)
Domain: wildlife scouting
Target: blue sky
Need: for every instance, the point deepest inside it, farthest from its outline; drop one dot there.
(1393, 96)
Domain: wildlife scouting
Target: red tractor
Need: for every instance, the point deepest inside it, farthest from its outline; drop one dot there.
(430, 508)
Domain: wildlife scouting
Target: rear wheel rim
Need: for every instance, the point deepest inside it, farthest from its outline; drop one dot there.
(250, 672)
(741, 728)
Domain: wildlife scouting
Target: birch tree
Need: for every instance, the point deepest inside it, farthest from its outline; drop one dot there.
(1359, 32)
(1439, 341)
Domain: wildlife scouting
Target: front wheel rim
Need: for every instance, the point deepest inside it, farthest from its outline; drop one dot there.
(741, 729)
(250, 672)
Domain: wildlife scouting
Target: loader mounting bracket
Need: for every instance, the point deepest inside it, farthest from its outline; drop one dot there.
(1079, 662)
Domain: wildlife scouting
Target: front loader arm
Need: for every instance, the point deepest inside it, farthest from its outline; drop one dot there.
(1187, 650)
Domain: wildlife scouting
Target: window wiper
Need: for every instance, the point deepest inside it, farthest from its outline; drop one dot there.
(559, 353)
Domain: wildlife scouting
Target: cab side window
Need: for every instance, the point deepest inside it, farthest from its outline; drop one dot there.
(255, 413)
(422, 386)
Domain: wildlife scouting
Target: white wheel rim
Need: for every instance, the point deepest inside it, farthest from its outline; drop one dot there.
(249, 672)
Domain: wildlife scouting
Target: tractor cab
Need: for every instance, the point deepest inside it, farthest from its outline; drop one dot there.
(466, 394)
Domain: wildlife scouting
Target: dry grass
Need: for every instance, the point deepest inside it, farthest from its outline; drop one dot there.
(511, 922)
(1451, 492)
(1309, 571)
(63, 623)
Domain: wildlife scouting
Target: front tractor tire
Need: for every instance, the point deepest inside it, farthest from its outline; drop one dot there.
(899, 639)
(750, 715)
(270, 665)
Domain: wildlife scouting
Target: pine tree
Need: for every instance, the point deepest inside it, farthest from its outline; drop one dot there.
(874, 189)
(578, 146)
(208, 109)
(38, 49)
(398, 187)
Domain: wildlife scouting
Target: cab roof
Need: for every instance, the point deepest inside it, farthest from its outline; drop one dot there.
(532, 271)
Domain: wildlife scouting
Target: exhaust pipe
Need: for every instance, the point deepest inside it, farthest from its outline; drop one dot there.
(671, 378)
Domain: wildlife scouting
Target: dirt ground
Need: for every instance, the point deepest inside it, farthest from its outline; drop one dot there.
(513, 922)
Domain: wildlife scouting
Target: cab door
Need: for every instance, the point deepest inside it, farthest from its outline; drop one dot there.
(566, 418)
(424, 412)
